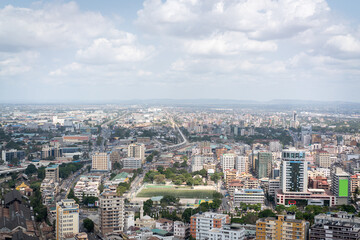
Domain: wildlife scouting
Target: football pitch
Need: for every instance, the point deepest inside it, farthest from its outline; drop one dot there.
(179, 192)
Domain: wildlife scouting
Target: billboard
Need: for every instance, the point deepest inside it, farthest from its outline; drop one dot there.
(343, 187)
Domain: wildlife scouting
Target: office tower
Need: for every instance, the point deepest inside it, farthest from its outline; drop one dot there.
(293, 171)
(52, 172)
(323, 159)
(137, 150)
(227, 161)
(101, 162)
(202, 223)
(131, 163)
(240, 164)
(281, 227)
(340, 185)
(8, 155)
(111, 213)
(334, 226)
(294, 116)
(263, 165)
(236, 131)
(67, 219)
(51, 152)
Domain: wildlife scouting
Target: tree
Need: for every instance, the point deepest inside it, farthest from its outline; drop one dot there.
(89, 200)
(116, 166)
(147, 206)
(160, 178)
(101, 188)
(88, 224)
(266, 213)
(76, 157)
(72, 195)
(30, 169)
(41, 173)
(14, 161)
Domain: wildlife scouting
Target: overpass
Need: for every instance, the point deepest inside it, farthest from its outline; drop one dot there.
(12, 170)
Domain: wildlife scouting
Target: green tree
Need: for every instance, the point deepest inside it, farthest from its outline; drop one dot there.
(76, 157)
(88, 224)
(266, 213)
(30, 169)
(41, 173)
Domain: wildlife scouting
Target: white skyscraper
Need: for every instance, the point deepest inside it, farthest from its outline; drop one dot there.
(293, 171)
(240, 163)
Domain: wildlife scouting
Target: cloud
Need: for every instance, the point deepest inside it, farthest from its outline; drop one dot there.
(104, 51)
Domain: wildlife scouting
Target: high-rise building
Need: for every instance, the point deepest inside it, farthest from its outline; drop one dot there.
(111, 213)
(281, 227)
(340, 185)
(67, 219)
(51, 152)
(323, 159)
(202, 223)
(137, 150)
(263, 165)
(240, 164)
(52, 172)
(293, 171)
(227, 161)
(275, 146)
(101, 161)
(306, 132)
(197, 163)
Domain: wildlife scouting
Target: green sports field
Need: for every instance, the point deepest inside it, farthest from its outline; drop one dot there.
(182, 192)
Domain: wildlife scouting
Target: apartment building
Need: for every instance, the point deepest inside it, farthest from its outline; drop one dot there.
(87, 186)
(281, 227)
(181, 230)
(101, 162)
(227, 232)
(111, 213)
(67, 219)
(227, 161)
(136, 150)
(323, 159)
(52, 172)
(202, 223)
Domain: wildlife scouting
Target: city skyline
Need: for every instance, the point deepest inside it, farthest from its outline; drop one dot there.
(86, 51)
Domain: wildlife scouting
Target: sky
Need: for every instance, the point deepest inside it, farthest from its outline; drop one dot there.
(105, 51)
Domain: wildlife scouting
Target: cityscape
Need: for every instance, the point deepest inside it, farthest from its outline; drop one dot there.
(179, 120)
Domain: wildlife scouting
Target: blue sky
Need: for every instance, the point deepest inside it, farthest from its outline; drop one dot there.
(81, 51)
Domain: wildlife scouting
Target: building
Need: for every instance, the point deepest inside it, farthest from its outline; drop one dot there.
(274, 184)
(144, 221)
(339, 225)
(202, 223)
(136, 150)
(281, 227)
(227, 232)
(340, 185)
(67, 219)
(131, 163)
(293, 172)
(87, 186)
(263, 165)
(323, 159)
(181, 230)
(51, 152)
(240, 164)
(8, 155)
(319, 197)
(275, 146)
(249, 196)
(197, 163)
(164, 224)
(52, 172)
(111, 213)
(227, 161)
(101, 162)
(355, 182)
(318, 182)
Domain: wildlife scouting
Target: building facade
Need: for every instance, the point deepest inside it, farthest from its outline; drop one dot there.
(101, 162)
(111, 213)
(67, 219)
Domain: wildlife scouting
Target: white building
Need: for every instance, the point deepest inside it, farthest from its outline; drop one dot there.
(227, 232)
(274, 184)
(181, 230)
(240, 164)
(131, 163)
(227, 161)
(249, 196)
(67, 215)
(87, 186)
(101, 161)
